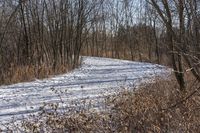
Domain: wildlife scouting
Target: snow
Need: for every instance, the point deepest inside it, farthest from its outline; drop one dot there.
(95, 79)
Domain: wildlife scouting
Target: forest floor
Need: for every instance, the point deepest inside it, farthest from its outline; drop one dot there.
(86, 85)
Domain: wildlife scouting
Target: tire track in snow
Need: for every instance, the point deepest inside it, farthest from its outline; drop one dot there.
(96, 78)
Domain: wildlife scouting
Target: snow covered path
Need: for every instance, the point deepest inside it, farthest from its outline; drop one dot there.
(97, 77)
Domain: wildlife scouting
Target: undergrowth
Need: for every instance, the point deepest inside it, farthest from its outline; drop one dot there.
(16, 74)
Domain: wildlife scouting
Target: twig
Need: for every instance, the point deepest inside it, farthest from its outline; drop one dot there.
(184, 99)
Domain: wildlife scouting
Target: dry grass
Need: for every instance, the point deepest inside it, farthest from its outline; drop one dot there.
(17, 74)
(158, 107)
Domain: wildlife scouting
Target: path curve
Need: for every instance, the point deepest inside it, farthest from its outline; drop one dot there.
(96, 78)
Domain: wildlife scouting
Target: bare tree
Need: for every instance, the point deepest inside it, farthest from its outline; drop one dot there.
(176, 40)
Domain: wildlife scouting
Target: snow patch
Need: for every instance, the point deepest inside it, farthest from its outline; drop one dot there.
(96, 78)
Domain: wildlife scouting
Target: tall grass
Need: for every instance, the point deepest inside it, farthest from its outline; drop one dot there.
(20, 73)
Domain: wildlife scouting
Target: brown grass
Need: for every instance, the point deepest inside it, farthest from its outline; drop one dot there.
(17, 74)
(159, 107)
